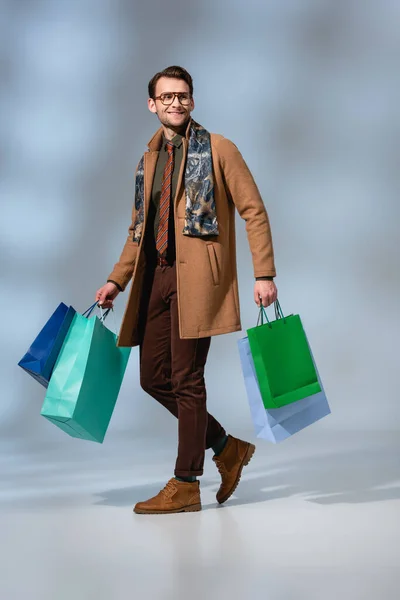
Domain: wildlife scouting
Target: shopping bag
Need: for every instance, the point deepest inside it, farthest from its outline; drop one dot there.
(282, 359)
(86, 379)
(40, 359)
(277, 424)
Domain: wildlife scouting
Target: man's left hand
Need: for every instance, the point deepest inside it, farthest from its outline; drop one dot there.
(266, 292)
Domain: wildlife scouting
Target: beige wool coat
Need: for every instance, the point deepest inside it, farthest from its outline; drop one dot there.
(207, 286)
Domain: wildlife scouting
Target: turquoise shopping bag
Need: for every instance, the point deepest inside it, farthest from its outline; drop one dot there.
(86, 379)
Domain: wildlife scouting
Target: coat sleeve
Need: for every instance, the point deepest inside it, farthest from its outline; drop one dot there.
(123, 269)
(243, 192)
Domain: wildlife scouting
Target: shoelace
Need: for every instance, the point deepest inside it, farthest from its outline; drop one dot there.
(220, 466)
(169, 490)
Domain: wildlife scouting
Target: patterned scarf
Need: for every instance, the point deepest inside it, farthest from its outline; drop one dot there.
(200, 214)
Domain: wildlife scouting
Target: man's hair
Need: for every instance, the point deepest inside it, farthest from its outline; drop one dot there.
(174, 73)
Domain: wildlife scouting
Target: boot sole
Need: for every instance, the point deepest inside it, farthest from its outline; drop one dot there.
(246, 459)
(191, 508)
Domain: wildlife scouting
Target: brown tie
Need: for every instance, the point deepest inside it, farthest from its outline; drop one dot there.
(165, 200)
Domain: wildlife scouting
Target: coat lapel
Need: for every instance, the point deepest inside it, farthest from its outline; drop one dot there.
(179, 183)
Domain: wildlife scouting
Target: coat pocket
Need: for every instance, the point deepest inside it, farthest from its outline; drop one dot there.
(213, 262)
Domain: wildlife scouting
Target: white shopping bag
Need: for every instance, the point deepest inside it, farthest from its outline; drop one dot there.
(277, 424)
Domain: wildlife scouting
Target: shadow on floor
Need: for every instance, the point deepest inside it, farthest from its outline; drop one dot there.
(357, 476)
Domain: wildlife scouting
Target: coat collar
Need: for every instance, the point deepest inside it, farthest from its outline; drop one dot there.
(155, 143)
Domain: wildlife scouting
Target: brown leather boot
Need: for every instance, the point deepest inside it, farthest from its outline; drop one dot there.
(236, 455)
(177, 496)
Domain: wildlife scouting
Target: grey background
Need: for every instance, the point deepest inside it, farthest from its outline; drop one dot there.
(309, 92)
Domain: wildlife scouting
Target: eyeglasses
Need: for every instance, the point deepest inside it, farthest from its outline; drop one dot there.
(168, 98)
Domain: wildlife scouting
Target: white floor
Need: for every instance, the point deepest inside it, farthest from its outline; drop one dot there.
(316, 517)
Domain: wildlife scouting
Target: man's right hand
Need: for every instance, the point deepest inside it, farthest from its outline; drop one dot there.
(106, 294)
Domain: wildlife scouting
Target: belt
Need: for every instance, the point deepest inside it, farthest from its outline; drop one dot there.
(162, 261)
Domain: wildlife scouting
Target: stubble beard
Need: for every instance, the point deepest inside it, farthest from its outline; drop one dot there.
(167, 122)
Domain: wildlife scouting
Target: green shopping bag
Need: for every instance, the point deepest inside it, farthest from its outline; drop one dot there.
(86, 380)
(282, 359)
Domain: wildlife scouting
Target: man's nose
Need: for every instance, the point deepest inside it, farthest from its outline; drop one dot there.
(176, 103)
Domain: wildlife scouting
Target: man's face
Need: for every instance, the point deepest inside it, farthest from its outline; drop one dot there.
(175, 115)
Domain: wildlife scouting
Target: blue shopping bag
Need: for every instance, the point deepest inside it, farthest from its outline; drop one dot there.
(40, 359)
(277, 424)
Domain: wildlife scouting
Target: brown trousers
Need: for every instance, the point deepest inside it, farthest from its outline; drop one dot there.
(172, 370)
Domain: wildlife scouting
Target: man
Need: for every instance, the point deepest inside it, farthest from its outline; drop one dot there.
(181, 256)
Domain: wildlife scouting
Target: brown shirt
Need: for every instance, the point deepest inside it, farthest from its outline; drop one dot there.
(153, 217)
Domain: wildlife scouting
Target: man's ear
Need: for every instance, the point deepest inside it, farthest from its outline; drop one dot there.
(151, 105)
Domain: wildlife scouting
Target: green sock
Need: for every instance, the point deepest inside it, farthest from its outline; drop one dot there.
(190, 479)
(219, 446)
